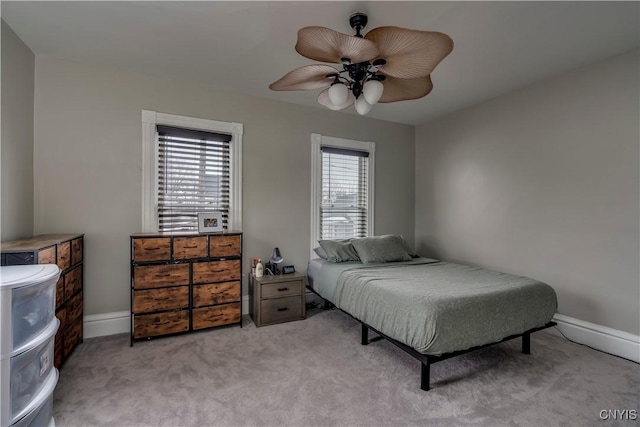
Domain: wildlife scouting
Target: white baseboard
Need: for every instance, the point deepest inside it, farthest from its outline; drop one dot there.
(119, 322)
(98, 325)
(602, 338)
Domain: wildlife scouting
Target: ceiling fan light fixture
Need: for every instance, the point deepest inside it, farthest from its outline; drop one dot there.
(387, 64)
(372, 91)
(362, 106)
(338, 93)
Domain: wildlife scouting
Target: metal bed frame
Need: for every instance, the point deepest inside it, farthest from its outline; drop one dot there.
(426, 360)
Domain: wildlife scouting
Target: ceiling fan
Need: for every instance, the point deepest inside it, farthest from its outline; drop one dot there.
(387, 64)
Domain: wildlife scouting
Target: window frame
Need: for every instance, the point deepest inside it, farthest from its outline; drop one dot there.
(150, 119)
(317, 141)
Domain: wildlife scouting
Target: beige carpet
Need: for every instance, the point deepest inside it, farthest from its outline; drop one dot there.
(315, 373)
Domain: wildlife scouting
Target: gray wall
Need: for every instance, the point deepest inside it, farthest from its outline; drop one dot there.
(543, 182)
(88, 145)
(18, 65)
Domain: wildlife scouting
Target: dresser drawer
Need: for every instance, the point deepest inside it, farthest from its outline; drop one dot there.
(74, 308)
(224, 246)
(282, 289)
(47, 255)
(146, 301)
(208, 317)
(281, 309)
(156, 276)
(217, 293)
(73, 281)
(60, 291)
(189, 247)
(216, 271)
(171, 322)
(72, 335)
(152, 249)
(64, 255)
(76, 251)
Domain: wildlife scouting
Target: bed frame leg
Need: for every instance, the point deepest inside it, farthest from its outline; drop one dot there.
(526, 343)
(365, 334)
(327, 305)
(425, 375)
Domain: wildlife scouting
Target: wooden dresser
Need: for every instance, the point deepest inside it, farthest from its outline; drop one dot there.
(66, 250)
(184, 282)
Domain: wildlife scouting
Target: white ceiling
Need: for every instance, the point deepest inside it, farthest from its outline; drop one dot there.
(244, 46)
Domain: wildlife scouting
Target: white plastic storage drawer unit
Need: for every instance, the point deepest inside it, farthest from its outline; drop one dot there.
(42, 415)
(27, 338)
(27, 304)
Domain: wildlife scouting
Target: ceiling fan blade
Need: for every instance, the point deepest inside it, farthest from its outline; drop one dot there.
(409, 53)
(305, 78)
(404, 89)
(326, 45)
(323, 99)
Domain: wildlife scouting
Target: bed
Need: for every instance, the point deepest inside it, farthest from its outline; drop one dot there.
(432, 309)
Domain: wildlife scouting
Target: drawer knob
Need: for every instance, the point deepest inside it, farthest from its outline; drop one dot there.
(282, 289)
(283, 309)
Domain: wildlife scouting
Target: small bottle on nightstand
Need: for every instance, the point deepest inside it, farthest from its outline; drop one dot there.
(259, 269)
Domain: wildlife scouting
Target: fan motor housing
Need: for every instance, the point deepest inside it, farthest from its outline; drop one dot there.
(358, 21)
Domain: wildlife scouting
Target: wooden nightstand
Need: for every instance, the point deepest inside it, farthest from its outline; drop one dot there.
(276, 299)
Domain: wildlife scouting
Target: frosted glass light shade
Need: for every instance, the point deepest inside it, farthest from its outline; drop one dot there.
(338, 94)
(372, 91)
(362, 106)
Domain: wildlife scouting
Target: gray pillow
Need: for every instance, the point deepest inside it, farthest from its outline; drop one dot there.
(320, 252)
(386, 248)
(339, 250)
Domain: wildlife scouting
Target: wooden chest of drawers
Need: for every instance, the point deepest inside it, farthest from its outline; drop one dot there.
(184, 282)
(67, 251)
(276, 299)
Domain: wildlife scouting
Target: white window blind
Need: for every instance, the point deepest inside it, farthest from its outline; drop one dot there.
(193, 177)
(344, 205)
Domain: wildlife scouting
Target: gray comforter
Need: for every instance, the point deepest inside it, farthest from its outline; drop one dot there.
(438, 307)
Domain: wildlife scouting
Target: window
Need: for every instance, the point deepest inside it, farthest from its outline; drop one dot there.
(190, 166)
(342, 188)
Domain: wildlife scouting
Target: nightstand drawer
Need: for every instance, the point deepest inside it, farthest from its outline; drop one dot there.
(281, 289)
(64, 255)
(281, 309)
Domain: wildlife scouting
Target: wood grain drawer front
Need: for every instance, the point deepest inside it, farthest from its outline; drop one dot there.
(47, 255)
(208, 317)
(157, 276)
(216, 271)
(218, 293)
(64, 255)
(281, 309)
(152, 249)
(281, 289)
(189, 247)
(76, 251)
(224, 246)
(72, 336)
(171, 322)
(58, 349)
(147, 301)
(62, 317)
(74, 309)
(73, 281)
(60, 291)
